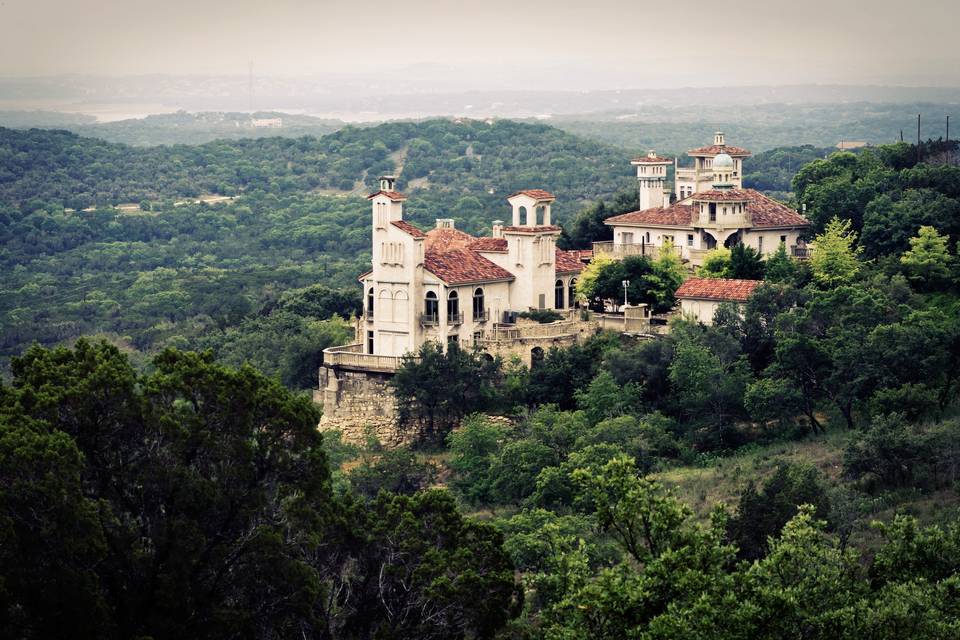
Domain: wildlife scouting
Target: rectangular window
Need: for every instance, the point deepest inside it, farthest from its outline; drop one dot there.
(760, 244)
(713, 212)
(370, 342)
(689, 239)
(783, 239)
(543, 301)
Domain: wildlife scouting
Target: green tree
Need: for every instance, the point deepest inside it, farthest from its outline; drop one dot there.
(928, 260)
(762, 513)
(746, 263)
(467, 381)
(716, 264)
(835, 258)
(780, 268)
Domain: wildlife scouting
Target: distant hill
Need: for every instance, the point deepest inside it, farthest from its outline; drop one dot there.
(474, 164)
(176, 128)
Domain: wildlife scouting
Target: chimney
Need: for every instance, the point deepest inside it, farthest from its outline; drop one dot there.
(387, 183)
(445, 223)
(497, 231)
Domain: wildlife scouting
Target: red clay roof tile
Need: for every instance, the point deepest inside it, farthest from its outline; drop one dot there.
(571, 261)
(460, 266)
(489, 244)
(403, 225)
(447, 239)
(537, 194)
(396, 196)
(765, 212)
(721, 289)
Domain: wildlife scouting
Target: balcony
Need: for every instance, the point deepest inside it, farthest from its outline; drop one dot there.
(481, 315)
(351, 356)
(455, 318)
(429, 319)
(801, 253)
(621, 250)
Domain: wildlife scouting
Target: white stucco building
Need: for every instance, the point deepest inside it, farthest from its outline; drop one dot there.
(699, 298)
(446, 285)
(710, 209)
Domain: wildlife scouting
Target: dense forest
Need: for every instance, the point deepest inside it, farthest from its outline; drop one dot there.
(788, 472)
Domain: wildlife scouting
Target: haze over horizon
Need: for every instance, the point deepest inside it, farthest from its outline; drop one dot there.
(536, 45)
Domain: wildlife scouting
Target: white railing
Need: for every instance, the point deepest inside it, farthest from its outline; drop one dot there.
(622, 250)
(351, 355)
(519, 332)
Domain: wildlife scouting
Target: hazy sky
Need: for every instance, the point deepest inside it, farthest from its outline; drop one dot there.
(604, 43)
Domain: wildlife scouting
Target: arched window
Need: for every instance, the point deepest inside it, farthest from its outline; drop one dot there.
(370, 303)
(479, 314)
(558, 295)
(572, 297)
(385, 305)
(431, 309)
(524, 216)
(453, 308)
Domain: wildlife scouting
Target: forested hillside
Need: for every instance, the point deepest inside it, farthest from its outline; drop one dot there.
(188, 495)
(170, 271)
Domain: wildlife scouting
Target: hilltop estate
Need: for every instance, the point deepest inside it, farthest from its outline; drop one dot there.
(447, 286)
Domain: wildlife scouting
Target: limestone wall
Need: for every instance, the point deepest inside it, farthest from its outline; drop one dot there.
(354, 401)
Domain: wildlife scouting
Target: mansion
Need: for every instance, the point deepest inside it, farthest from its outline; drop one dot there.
(709, 209)
(448, 286)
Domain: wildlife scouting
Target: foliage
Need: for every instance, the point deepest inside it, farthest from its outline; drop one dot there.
(195, 501)
(834, 259)
(716, 264)
(779, 267)
(394, 471)
(543, 316)
(928, 260)
(467, 380)
(762, 513)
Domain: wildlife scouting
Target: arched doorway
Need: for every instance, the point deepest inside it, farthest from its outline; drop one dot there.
(536, 356)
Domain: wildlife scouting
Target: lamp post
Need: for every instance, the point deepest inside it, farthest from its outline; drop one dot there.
(625, 283)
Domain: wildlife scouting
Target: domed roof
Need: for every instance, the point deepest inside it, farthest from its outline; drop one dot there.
(723, 161)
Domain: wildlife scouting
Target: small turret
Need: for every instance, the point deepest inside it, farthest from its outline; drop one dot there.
(652, 177)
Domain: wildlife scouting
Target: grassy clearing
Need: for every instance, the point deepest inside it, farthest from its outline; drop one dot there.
(703, 487)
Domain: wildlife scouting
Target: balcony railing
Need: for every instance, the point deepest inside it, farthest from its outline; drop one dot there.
(429, 319)
(800, 252)
(481, 315)
(455, 318)
(622, 250)
(351, 355)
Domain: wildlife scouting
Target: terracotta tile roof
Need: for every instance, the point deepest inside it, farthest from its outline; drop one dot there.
(396, 196)
(654, 159)
(403, 225)
(764, 211)
(447, 239)
(716, 149)
(488, 244)
(721, 195)
(460, 266)
(532, 229)
(536, 194)
(678, 215)
(364, 275)
(767, 212)
(717, 289)
(570, 261)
